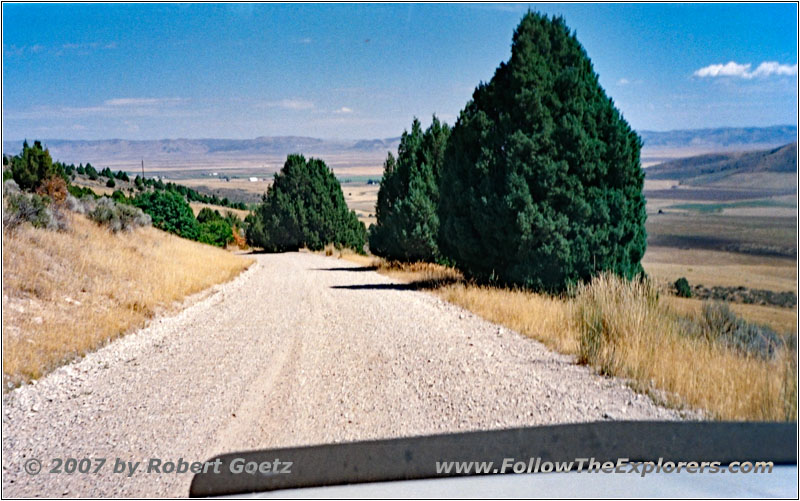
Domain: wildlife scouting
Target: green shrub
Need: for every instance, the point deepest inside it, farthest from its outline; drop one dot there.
(215, 232)
(81, 191)
(232, 219)
(34, 165)
(408, 225)
(118, 217)
(169, 212)
(111, 183)
(119, 197)
(682, 288)
(541, 183)
(206, 215)
(304, 207)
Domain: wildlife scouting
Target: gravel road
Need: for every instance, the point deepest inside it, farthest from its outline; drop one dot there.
(300, 349)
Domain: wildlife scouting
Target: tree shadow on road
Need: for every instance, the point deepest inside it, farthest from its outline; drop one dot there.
(415, 285)
(359, 268)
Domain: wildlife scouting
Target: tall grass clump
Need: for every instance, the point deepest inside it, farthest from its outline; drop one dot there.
(625, 330)
(605, 338)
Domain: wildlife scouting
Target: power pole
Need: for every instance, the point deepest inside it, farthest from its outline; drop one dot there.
(143, 169)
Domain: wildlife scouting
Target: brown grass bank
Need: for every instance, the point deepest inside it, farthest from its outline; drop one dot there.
(67, 293)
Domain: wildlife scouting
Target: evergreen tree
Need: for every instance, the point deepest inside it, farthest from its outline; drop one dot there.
(169, 212)
(304, 207)
(91, 172)
(541, 184)
(34, 165)
(205, 215)
(408, 225)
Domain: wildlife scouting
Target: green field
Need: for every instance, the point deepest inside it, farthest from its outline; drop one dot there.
(719, 207)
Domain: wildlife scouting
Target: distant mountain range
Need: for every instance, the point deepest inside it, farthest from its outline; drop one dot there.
(721, 139)
(100, 151)
(194, 153)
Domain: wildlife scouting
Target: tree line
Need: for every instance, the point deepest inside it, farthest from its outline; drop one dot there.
(538, 184)
(167, 204)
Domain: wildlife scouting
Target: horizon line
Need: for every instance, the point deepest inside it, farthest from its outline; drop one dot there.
(362, 138)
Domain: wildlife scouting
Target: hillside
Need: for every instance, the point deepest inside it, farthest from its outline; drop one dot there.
(68, 292)
(775, 167)
(719, 139)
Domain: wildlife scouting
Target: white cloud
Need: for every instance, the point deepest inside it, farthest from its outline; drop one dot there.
(290, 104)
(305, 40)
(768, 68)
(623, 81)
(736, 70)
(143, 101)
(343, 109)
(118, 107)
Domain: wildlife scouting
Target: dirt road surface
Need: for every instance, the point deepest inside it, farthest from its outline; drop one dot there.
(300, 349)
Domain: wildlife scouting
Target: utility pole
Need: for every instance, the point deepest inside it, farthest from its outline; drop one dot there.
(143, 169)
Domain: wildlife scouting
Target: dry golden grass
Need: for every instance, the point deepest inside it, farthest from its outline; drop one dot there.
(728, 269)
(198, 206)
(539, 316)
(781, 320)
(67, 293)
(642, 340)
(625, 330)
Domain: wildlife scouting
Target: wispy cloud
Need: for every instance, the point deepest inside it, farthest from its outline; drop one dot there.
(81, 48)
(144, 101)
(623, 81)
(117, 107)
(290, 104)
(733, 69)
(343, 109)
(305, 40)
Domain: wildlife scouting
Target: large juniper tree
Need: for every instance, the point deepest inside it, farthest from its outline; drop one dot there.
(408, 225)
(541, 184)
(304, 207)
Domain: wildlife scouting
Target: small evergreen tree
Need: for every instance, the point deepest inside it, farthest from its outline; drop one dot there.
(541, 184)
(206, 215)
(304, 207)
(682, 288)
(33, 165)
(408, 225)
(91, 172)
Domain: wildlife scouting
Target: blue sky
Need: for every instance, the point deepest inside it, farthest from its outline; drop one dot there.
(149, 71)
